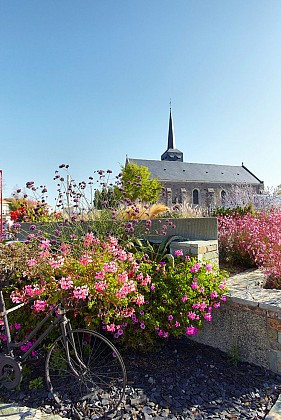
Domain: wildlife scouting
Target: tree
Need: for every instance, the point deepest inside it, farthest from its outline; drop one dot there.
(136, 184)
(105, 198)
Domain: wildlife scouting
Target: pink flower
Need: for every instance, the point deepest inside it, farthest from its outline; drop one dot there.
(194, 285)
(66, 283)
(16, 297)
(123, 277)
(81, 292)
(100, 275)
(203, 306)
(26, 346)
(89, 239)
(152, 287)
(208, 317)
(127, 312)
(214, 294)
(178, 253)
(45, 244)
(110, 267)
(100, 286)
(39, 305)
(146, 280)
(139, 300)
(65, 248)
(223, 298)
(110, 327)
(195, 268)
(126, 289)
(33, 290)
(139, 277)
(184, 298)
(191, 330)
(170, 317)
(17, 326)
(122, 255)
(56, 263)
(177, 324)
(208, 267)
(192, 315)
(31, 262)
(86, 259)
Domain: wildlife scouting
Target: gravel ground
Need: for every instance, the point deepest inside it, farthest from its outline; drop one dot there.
(182, 380)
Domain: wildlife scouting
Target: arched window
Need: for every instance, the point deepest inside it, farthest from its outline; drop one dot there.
(195, 196)
(223, 197)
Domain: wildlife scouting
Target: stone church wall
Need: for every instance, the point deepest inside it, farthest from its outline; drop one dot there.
(209, 194)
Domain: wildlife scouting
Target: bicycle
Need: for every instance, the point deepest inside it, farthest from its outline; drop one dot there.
(82, 368)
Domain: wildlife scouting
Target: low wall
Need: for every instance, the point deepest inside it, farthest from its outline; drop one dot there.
(203, 250)
(248, 325)
(193, 228)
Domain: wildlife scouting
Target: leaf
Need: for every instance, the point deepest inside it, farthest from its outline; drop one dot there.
(166, 242)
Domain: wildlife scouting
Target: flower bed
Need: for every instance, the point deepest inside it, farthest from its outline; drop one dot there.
(107, 287)
(253, 240)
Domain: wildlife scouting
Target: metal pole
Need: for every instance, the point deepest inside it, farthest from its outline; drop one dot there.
(1, 208)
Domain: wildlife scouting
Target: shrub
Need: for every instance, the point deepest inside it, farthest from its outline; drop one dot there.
(105, 287)
(253, 240)
(178, 300)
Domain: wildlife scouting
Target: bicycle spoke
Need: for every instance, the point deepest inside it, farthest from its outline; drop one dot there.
(93, 375)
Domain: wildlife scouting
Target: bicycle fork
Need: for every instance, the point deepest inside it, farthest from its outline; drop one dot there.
(68, 340)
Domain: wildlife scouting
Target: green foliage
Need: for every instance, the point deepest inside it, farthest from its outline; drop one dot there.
(179, 300)
(107, 197)
(236, 211)
(155, 252)
(36, 383)
(234, 355)
(137, 184)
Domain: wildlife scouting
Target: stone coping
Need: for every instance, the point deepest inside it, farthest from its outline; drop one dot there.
(246, 288)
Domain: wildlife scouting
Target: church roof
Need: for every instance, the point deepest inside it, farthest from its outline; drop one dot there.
(197, 172)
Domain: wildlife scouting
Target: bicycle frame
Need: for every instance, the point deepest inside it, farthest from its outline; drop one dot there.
(60, 319)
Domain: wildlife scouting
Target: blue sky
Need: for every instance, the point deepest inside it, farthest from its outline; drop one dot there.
(87, 82)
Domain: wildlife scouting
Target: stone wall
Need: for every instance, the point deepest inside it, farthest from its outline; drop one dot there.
(248, 324)
(203, 250)
(209, 193)
(197, 237)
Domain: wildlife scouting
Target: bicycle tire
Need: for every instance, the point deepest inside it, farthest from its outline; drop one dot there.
(96, 381)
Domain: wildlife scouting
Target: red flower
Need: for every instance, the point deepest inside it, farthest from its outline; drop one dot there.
(14, 214)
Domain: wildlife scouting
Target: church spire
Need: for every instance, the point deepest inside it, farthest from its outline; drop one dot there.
(172, 153)
(171, 136)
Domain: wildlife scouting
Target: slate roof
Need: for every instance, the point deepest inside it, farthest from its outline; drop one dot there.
(197, 172)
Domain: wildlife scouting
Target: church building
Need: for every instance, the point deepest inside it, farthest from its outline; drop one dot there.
(195, 183)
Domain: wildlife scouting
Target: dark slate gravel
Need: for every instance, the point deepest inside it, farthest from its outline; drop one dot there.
(181, 380)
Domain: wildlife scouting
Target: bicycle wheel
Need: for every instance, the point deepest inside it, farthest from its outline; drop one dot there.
(93, 379)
